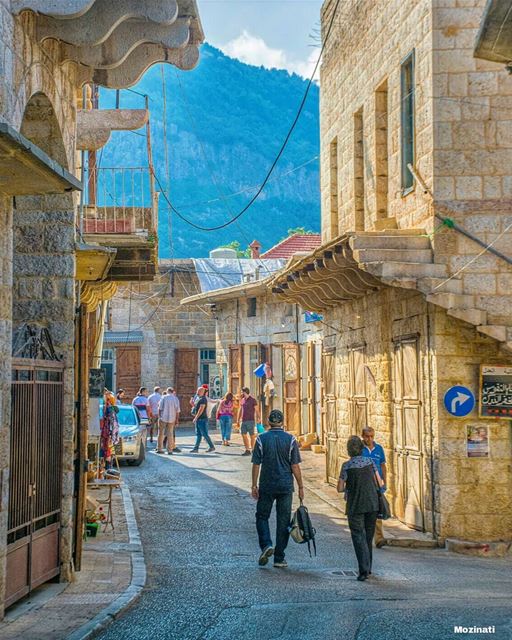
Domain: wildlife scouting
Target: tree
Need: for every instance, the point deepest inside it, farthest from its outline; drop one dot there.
(299, 230)
(240, 253)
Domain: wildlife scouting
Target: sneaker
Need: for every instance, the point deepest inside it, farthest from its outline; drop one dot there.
(176, 450)
(246, 453)
(210, 449)
(381, 543)
(169, 453)
(194, 450)
(265, 555)
(281, 565)
(160, 451)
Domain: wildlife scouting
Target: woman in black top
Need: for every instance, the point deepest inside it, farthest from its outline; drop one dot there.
(360, 481)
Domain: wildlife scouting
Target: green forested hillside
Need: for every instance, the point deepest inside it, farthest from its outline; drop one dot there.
(225, 123)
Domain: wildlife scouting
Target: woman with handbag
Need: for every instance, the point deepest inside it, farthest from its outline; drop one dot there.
(361, 482)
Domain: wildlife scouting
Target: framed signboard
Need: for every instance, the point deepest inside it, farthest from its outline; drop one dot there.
(495, 391)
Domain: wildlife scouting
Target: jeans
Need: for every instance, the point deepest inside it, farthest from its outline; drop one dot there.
(226, 423)
(202, 432)
(283, 517)
(362, 529)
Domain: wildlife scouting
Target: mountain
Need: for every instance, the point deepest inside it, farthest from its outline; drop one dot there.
(226, 121)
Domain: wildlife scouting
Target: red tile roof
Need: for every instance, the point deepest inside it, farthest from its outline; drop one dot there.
(297, 243)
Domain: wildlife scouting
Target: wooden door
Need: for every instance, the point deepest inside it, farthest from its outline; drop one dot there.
(186, 375)
(128, 370)
(358, 401)
(311, 387)
(291, 388)
(236, 371)
(277, 372)
(329, 421)
(408, 470)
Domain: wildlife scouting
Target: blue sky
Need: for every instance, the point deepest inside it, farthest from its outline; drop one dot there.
(272, 33)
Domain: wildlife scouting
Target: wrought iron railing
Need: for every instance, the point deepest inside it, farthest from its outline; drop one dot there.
(120, 200)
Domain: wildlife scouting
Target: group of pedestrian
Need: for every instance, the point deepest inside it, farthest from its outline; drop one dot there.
(162, 411)
(275, 465)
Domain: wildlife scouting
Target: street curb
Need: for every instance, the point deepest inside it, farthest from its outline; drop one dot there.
(107, 615)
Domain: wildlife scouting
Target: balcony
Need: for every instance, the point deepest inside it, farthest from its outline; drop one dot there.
(122, 212)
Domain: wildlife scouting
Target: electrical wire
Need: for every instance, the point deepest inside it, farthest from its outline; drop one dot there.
(278, 156)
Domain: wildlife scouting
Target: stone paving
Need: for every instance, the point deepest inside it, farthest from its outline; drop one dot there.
(196, 521)
(54, 611)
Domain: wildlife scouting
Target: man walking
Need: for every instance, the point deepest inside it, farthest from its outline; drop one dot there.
(168, 412)
(248, 414)
(376, 453)
(276, 461)
(153, 401)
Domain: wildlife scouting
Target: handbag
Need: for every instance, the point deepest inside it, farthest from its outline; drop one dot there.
(384, 511)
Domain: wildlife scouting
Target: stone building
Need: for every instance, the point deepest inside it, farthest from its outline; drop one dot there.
(414, 275)
(152, 340)
(49, 51)
(253, 327)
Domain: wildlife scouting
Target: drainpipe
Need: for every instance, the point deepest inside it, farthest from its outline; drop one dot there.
(96, 358)
(296, 323)
(431, 420)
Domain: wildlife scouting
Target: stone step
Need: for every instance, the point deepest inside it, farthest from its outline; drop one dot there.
(385, 241)
(449, 300)
(383, 224)
(475, 317)
(428, 285)
(405, 270)
(384, 254)
(496, 331)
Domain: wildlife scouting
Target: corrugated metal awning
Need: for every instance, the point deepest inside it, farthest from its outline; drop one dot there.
(123, 337)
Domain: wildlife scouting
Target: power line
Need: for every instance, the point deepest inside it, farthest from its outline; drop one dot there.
(278, 156)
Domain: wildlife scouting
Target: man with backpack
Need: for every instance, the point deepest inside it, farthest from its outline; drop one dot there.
(275, 463)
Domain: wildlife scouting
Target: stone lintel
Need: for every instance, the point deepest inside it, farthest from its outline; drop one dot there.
(95, 126)
(27, 170)
(125, 39)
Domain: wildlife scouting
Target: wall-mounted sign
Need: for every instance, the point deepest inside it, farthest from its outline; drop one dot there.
(495, 392)
(459, 401)
(477, 442)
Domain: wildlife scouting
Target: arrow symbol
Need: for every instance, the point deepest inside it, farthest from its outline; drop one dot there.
(459, 399)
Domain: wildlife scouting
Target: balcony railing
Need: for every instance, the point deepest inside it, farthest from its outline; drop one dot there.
(120, 201)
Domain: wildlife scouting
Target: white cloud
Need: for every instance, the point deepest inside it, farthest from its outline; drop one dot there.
(254, 50)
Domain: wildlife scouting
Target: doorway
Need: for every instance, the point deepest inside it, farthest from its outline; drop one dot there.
(408, 449)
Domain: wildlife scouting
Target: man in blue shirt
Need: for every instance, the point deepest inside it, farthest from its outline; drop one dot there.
(376, 453)
(276, 462)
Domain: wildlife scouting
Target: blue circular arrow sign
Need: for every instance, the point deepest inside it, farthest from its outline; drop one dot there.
(459, 401)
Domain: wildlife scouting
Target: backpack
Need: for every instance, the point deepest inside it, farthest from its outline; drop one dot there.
(301, 528)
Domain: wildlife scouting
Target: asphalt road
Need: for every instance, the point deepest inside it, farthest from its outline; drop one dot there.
(196, 520)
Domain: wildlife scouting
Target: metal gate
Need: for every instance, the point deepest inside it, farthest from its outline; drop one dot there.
(33, 538)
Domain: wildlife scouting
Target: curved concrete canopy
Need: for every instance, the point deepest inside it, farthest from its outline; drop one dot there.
(94, 127)
(138, 62)
(55, 8)
(96, 25)
(125, 39)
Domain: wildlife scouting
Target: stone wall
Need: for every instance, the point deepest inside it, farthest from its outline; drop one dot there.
(38, 98)
(154, 308)
(367, 45)
(474, 495)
